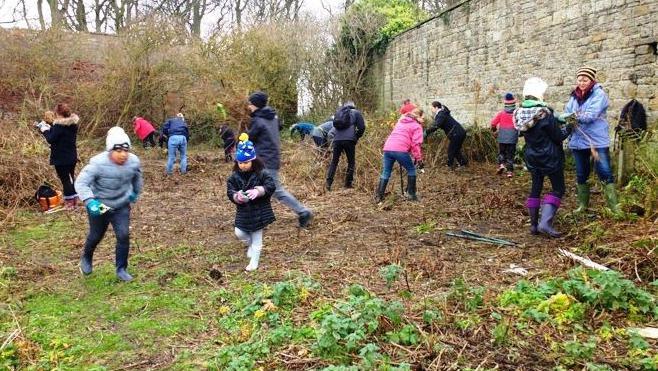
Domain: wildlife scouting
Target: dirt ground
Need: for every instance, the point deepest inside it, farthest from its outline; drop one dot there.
(351, 236)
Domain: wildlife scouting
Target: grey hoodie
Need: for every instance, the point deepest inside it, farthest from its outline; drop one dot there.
(108, 182)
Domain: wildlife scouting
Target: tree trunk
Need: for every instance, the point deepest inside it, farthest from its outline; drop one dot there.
(42, 22)
(81, 16)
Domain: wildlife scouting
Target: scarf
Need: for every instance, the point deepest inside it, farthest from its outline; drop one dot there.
(580, 95)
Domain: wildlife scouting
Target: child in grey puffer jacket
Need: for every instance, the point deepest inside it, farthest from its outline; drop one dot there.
(107, 186)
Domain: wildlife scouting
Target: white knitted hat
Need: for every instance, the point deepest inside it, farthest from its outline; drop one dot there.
(536, 87)
(115, 136)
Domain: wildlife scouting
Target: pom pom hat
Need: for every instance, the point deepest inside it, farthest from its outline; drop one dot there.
(246, 151)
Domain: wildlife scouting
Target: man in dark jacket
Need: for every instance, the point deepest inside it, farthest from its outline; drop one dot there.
(345, 141)
(264, 133)
(454, 131)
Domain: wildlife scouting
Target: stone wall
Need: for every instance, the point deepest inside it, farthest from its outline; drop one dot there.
(472, 53)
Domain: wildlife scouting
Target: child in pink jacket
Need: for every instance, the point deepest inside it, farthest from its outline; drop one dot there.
(144, 131)
(403, 145)
(506, 134)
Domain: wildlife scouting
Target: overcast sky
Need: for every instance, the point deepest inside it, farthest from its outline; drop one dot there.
(7, 9)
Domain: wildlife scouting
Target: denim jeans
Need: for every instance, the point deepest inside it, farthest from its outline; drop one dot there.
(283, 195)
(120, 220)
(403, 158)
(602, 165)
(557, 183)
(177, 143)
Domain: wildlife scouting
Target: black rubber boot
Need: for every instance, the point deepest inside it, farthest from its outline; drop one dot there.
(381, 189)
(410, 194)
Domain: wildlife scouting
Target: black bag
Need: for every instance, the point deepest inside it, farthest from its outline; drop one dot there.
(343, 118)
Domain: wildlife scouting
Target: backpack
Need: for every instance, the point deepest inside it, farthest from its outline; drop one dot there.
(343, 118)
(47, 197)
(632, 121)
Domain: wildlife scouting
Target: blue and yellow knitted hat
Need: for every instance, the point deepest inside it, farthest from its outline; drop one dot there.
(246, 151)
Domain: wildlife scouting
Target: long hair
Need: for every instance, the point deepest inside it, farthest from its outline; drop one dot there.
(257, 165)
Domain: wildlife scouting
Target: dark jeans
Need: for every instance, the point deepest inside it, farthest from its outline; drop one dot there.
(557, 183)
(506, 152)
(455, 150)
(120, 220)
(149, 140)
(340, 146)
(403, 158)
(66, 175)
(584, 168)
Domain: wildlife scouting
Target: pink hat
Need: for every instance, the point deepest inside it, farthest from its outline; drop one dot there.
(407, 108)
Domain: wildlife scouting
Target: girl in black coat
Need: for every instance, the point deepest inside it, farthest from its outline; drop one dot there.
(250, 189)
(62, 137)
(544, 155)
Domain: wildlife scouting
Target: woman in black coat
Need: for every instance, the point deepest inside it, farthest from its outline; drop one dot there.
(62, 137)
(454, 132)
(544, 155)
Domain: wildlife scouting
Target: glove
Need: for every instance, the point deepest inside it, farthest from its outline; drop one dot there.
(96, 208)
(240, 198)
(133, 197)
(42, 126)
(563, 117)
(256, 192)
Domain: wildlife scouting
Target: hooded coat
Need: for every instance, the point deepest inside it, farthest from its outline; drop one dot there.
(543, 137)
(443, 120)
(264, 133)
(356, 130)
(407, 136)
(62, 137)
(255, 214)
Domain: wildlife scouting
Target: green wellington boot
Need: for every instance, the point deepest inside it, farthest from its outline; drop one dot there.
(611, 198)
(582, 191)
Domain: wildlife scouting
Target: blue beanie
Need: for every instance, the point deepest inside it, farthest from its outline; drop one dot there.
(246, 151)
(509, 98)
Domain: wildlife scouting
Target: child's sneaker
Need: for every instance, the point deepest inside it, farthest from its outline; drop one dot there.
(510, 174)
(500, 170)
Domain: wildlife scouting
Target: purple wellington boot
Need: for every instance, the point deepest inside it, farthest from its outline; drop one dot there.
(548, 210)
(533, 209)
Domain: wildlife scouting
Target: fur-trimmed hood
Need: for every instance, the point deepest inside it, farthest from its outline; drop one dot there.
(67, 121)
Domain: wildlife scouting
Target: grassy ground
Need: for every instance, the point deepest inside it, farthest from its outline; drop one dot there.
(367, 287)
